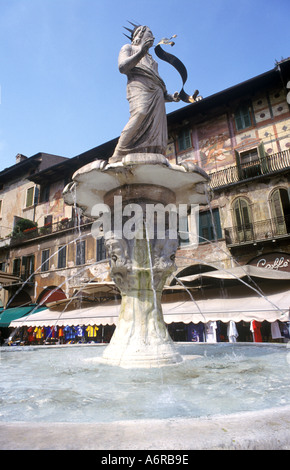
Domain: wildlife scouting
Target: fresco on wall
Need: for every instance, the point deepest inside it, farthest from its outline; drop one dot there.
(170, 152)
(189, 155)
(268, 137)
(215, 144)
(283, 132)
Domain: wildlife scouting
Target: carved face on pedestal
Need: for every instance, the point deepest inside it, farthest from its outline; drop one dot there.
(131, 257)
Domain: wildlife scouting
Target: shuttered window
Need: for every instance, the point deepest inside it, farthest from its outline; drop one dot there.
(184, 140)
(45, 260)
(81, 253)
(61, 262)
(242, 214)
(243, 118)
(209, 226)
(29, 197)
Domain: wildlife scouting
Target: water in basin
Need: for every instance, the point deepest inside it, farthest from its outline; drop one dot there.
(67, 384)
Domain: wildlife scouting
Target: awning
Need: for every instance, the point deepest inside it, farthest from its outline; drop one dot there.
(99, 288)
(101, 314)
(240, 272)
(7, 279)
(11, 314)
(271, 308)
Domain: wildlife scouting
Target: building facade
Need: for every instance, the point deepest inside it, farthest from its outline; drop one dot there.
(240, 137)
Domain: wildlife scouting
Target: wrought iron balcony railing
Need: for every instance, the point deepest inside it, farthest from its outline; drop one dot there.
(263, 166)
(50, 229)
(269, 229)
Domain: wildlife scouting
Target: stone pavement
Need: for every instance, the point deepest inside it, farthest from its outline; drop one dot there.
(268, 430)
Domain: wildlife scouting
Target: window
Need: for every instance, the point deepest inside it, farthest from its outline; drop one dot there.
(243, 117)
(81, 253)
(252, 162)
(183, 230)
(27, 268)
(44, 193)
(16, 267)
(242, 216)
(2, 266)
(47, 224)
(45, 260)
(1, 202)
(61, 259)
(250, 156)
(209, 226)
(242, 213)
(101, 249)
(280, 210)
(31, 196)
(184, 140)
(48, 220)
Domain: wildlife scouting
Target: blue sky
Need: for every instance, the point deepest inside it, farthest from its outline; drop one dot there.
(61, 91)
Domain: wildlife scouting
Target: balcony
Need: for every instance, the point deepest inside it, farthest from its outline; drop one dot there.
(265, 230)
(50, 229)
(264, 166)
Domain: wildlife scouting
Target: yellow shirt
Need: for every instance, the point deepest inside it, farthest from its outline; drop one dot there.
(92, 331)
(38, 332)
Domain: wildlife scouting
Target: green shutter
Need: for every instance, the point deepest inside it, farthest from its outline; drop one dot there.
(209, 226)
(29, 197)
(184, 140)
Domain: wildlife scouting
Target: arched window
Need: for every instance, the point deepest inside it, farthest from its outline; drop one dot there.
(280, 211)
(242, 220)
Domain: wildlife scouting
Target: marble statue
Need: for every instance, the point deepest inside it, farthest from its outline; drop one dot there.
(146, 130)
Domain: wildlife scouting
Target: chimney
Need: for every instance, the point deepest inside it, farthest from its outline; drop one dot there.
(20, 158)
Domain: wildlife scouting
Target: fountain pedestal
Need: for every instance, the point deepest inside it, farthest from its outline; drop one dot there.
(140, 264)
(142, 254)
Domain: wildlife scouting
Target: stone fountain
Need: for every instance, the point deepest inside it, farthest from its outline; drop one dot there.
(135, 180)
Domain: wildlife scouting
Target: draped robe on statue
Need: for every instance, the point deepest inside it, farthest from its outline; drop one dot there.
(146, 130)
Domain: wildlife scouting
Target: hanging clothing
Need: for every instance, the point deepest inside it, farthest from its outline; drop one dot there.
(39, 332)
(61, 335)
(80, 333)
(92, 331)
(195, 333)
(54, 332)
(60, 332)
(275, 330)
(69, 333)
(31, 335)
(285, 330)
(256, 331)
(211, 332)
(232, 332)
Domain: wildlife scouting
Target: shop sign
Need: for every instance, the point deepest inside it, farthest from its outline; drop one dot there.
(272, 261)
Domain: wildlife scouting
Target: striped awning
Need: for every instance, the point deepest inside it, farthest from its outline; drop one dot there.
(257, 307)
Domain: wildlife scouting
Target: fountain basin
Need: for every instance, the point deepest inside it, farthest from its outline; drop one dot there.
(223, 385)
(93, 181)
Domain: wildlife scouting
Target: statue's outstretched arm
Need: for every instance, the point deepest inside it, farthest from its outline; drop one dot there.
(129, 59)
(169, 98)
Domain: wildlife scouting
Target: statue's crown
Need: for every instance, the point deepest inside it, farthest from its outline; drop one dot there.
(131, 31)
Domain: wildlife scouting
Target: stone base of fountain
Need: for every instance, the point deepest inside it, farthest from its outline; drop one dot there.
(141, 256)
(141, 355)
